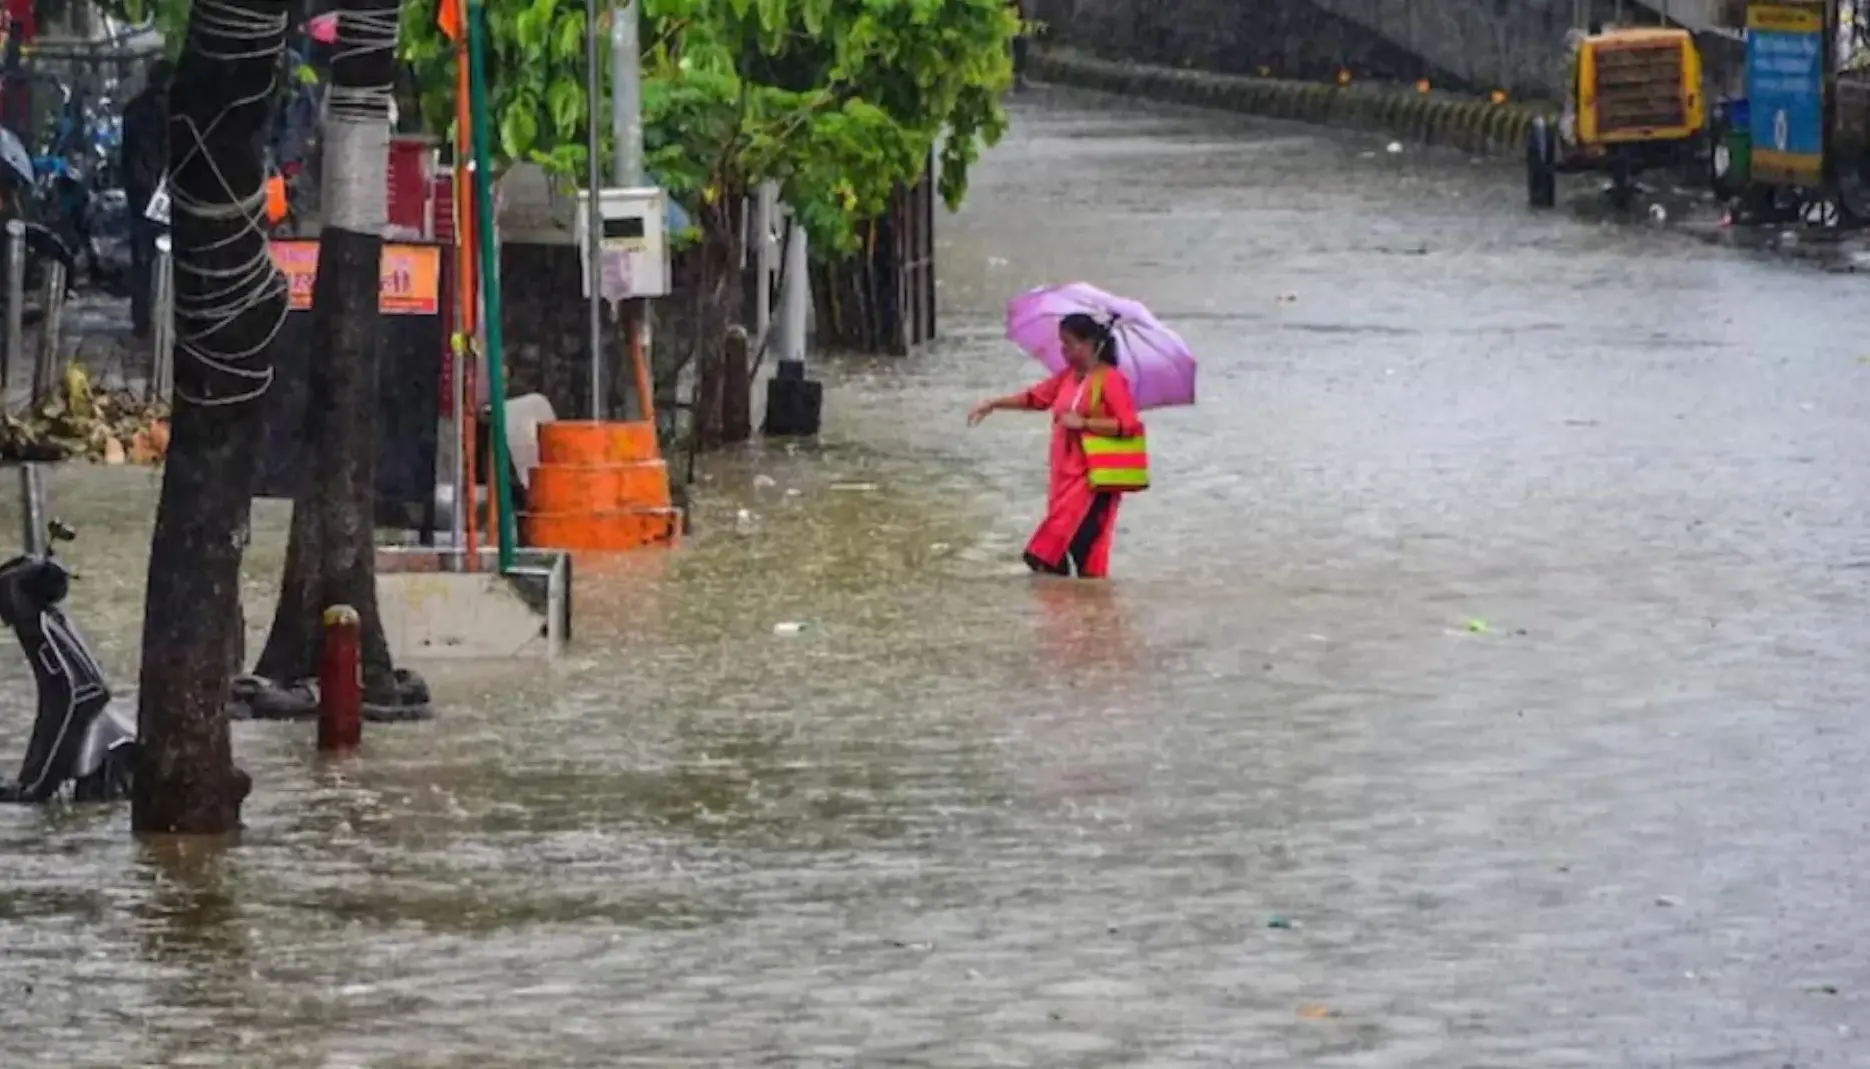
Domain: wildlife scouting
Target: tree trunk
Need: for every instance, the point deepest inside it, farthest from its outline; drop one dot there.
(721, 307)
(229, 302)
(331, 559)
(736, 385)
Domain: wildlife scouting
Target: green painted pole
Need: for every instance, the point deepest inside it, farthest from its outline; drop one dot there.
(490, 277)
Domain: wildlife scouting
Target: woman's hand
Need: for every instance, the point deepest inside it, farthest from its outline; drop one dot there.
(980, 412)
(1071, 421)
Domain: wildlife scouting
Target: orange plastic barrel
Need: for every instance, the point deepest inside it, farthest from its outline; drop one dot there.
(598, 487)
(586, 442)
(605, 532)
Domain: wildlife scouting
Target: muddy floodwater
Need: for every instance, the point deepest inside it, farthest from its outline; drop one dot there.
(1482, 685)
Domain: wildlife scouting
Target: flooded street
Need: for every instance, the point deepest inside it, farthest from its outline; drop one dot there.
(1481, 686)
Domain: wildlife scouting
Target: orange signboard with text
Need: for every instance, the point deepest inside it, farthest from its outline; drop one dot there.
(411, 276)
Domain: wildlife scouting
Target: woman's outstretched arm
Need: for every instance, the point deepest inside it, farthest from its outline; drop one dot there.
(1038, 398)
(995, 404)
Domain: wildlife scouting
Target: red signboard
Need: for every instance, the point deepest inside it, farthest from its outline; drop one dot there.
(411, 276)
(410, 191)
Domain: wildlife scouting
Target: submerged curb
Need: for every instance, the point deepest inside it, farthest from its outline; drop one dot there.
(1475, 126)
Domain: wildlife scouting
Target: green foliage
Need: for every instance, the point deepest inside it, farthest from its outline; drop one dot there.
(837, 100)
(535, 76)
(169, 16)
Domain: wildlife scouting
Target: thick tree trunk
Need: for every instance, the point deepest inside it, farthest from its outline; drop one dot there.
(331, 559)
(229, 302)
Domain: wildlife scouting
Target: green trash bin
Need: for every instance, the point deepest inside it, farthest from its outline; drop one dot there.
(1740, 156)
(1730, 163)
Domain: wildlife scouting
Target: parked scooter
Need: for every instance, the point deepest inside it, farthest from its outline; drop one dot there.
(81, 737)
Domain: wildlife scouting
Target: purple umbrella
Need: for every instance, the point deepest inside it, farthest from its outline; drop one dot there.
(1154, 358)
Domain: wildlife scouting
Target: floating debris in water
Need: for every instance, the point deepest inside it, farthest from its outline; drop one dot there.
(788, 628)
(1395, 148)
(1279, 921)
(1668, 901)
(1477, 626)
(1315, 1012)
(854, 488)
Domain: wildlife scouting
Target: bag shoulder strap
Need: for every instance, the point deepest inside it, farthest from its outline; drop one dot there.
(1097, 390)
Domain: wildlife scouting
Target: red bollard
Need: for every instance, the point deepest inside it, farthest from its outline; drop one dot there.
(341, 681)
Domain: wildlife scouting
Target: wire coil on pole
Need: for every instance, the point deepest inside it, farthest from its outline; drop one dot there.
(220, 296)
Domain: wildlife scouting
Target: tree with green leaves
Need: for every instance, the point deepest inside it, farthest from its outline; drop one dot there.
(840, 102)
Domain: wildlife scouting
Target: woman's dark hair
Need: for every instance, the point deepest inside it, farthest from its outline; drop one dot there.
(1086, 328)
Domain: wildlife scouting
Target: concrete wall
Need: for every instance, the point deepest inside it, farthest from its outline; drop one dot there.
(1517, 45)
(1287, 38)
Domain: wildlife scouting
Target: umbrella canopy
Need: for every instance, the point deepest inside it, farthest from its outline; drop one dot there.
(1154, 358)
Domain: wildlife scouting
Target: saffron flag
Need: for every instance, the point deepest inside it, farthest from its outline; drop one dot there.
(450, 17)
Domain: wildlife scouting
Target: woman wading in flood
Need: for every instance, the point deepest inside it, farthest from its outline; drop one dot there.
(1089, 397)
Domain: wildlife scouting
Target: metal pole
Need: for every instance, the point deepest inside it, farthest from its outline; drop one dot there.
(50, 332)
(626, 137)
(593, 214)
(32, 509)
(15, 296)
(490, 281)
(765, 221)
(626, 94)
(162, 311)
(464, 495)
(796, 296)
(466, 347)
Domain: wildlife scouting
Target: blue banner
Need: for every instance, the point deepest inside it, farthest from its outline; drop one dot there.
(1786, 91)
